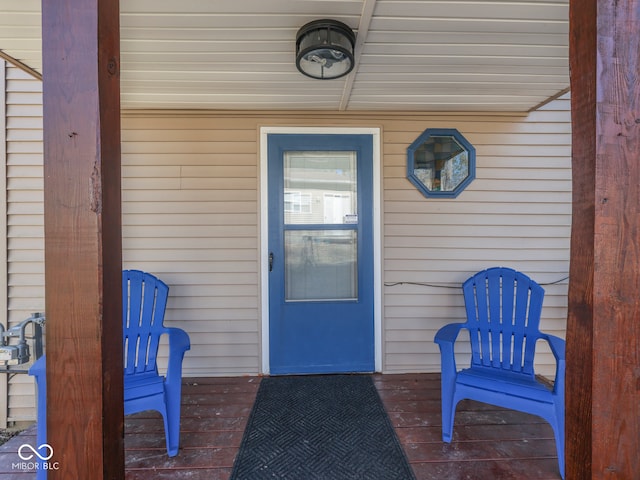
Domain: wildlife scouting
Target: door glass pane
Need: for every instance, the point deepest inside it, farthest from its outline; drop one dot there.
(320, 188)
(320, 265)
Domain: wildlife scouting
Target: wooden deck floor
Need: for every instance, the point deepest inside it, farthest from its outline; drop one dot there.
(489, 442)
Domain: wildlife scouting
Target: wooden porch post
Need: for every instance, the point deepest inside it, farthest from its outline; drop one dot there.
(83, 254)
(603, 331)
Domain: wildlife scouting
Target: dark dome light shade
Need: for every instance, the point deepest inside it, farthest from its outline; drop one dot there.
(324, 49)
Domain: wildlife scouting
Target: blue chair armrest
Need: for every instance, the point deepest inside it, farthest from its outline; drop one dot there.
(558, 349)
(445, 338)
(178, 340)
(448, 333)
(179, 343)
(557, 345)
(39, 367)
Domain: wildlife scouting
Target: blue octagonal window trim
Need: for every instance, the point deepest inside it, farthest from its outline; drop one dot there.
(441, 163)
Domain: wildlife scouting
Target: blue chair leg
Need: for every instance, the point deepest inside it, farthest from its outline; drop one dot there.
(558, 433)
(172, 447)
(172, 419)
(560, 449)
(448, 411)
(39, 371)
(447, 424)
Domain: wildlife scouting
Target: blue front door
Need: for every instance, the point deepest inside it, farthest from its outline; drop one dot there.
(321, 305)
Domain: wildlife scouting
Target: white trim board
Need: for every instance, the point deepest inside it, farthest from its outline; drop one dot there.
(264, 226)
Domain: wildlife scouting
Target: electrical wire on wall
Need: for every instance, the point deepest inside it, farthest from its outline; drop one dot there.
(458, 285)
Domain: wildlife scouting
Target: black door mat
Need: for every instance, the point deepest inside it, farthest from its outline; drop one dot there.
(328, 427)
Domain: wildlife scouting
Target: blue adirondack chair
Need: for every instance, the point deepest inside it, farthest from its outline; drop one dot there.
(503, 314)
(144, 299)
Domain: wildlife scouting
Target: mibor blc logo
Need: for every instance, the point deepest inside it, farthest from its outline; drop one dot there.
(30, 456)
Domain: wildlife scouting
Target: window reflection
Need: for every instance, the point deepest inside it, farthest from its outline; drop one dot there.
(320, 188)
(440, 163)
(321, 265)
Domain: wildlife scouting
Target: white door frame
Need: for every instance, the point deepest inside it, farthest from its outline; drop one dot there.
(264, 231)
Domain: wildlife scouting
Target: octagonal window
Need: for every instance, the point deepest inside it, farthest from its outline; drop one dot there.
(441, 162)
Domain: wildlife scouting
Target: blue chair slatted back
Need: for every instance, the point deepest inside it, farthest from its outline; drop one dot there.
(503, 316)
(144, 299)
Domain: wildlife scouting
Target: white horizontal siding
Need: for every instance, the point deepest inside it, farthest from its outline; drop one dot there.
(517, 213)
(190, 216)
(24, 219)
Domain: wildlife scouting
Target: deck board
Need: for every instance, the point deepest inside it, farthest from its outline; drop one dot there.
(489, 442)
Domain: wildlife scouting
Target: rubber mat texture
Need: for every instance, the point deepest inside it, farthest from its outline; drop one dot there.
(320, 427)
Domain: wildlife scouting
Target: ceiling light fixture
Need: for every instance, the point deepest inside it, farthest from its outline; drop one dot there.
(324, 49)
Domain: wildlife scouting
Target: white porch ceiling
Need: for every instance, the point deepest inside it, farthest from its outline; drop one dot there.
(417, 55)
